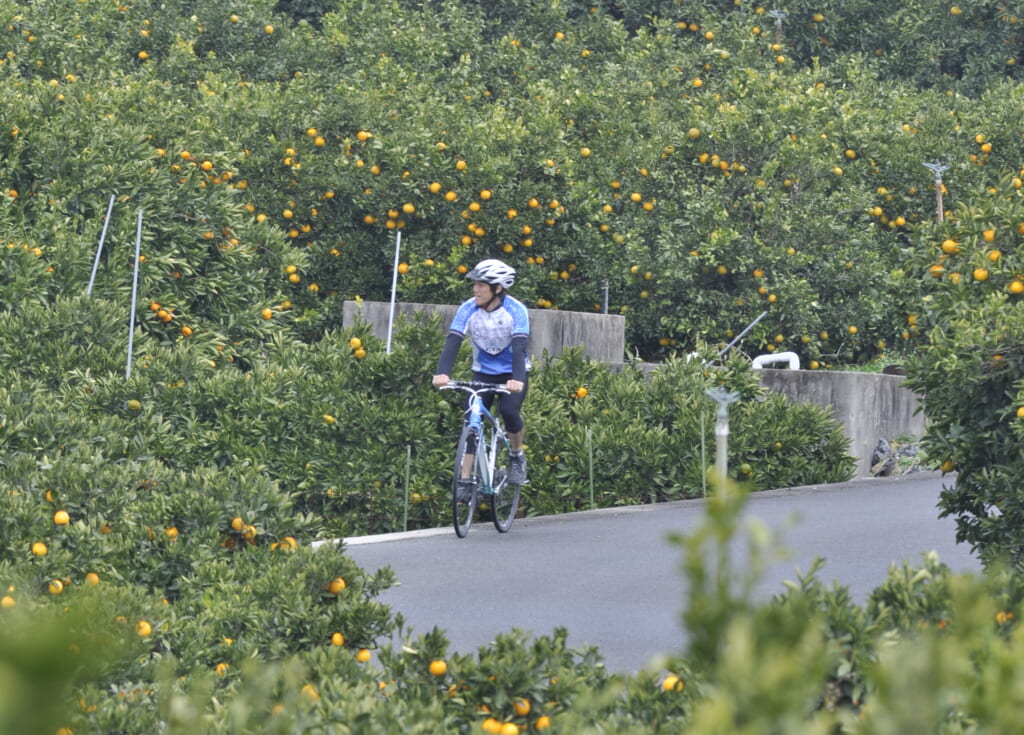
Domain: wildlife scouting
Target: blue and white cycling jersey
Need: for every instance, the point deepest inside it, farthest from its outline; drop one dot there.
(491, 333)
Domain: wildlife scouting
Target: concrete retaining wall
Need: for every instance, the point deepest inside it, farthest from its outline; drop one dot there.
(602, 336)
(870, 406)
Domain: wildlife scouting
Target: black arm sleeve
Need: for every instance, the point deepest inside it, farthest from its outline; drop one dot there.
(448, 354)
(519, 343)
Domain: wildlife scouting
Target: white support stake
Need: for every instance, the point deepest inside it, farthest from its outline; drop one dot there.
(99, 248)
(394, 288)
(135, 291)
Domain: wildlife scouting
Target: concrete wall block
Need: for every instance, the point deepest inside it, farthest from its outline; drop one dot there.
(602, 336)
(870, 406)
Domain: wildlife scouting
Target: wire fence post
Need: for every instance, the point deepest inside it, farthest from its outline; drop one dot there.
(703, 459)
(99, 248)
(394, 288)
(135, 292)
(408, 468)
(590, 464)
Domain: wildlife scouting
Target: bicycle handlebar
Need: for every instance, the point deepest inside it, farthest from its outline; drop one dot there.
(474, 386)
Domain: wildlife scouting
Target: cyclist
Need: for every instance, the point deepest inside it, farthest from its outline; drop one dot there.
(499, 328)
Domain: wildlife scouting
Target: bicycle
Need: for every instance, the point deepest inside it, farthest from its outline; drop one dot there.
(489, 470)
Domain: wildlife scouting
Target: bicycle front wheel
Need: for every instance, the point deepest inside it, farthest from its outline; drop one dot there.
(505, 502)
(464, 495)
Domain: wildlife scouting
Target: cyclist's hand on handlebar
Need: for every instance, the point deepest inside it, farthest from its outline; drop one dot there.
(514, 386)
(440, 381)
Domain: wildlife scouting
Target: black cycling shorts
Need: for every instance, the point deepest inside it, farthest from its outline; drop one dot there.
(509, 404)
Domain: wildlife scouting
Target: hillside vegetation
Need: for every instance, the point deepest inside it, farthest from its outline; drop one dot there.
(178, 429)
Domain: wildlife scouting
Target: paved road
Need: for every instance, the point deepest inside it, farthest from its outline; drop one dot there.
(612, 577)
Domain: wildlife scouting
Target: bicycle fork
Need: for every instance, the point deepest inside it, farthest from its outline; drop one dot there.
(484, 459)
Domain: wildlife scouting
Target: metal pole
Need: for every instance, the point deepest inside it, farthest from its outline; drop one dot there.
(590, 465)
(723, 398)
(604, 295)
(937, 169)
(778, 15)
(394, 288)
(703, 459)
(135, 291)
(408, 466)
(741, 334)
(99, 248)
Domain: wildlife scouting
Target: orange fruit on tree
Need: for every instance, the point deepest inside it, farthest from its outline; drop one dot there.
(61, 518)
(438, 667)
(672, 683)
(143, 628)
(336, 585)
(363, 655)
(1016, 286)
(980, 274)
(337, 639)
(543, 722)
(521, 707)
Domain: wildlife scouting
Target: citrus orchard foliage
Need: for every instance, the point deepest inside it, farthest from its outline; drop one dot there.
(695, 160)
(118, 659)
(700, 162)
(971, 374)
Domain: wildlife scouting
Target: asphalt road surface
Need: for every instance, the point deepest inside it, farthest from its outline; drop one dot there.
(613, 578)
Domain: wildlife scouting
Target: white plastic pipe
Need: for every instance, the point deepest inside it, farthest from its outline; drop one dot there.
(791, 357)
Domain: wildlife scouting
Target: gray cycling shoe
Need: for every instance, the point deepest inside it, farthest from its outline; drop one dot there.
(464, 490)
(517, 469)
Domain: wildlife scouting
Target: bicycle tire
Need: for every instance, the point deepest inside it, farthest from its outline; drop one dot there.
(463, 511)
(505, 501)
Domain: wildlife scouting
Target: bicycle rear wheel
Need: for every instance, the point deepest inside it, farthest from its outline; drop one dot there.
(464, 507)
(505, 501)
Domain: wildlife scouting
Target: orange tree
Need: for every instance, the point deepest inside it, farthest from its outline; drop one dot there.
(970, 372)
(683, 156)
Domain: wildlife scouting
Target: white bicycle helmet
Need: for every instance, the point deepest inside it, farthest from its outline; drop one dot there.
(493, 271)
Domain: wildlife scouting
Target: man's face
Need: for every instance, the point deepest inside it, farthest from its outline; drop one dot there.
(482, 293)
